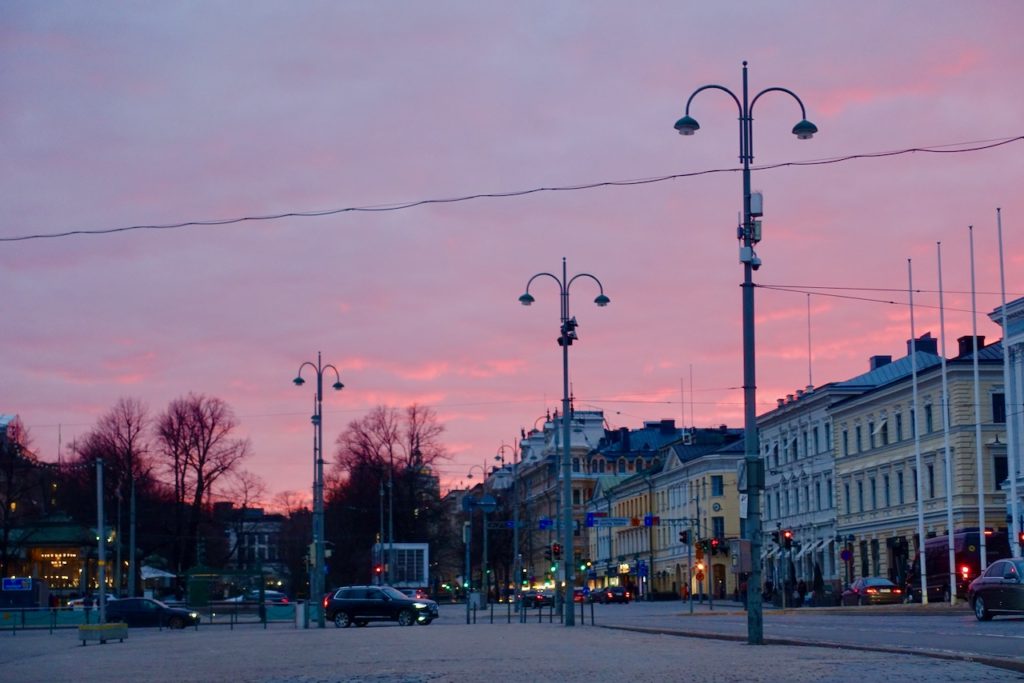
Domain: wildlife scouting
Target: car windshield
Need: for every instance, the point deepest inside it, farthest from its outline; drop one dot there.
(878, 582)
(393, 592)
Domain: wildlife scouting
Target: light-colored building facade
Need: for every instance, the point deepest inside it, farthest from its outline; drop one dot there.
(1013, 381)
(796, 445)
(877, 478)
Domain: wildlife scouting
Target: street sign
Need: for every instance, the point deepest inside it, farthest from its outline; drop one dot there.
(846, 555)
(699, 576)
(545, 523)
(23, 583)
(611, 521)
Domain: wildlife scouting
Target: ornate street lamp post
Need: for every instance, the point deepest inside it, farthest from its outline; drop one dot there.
(749, 234)
(316, 577)
(565, 339)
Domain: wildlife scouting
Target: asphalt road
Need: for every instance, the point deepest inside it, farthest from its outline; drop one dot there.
(904, 627)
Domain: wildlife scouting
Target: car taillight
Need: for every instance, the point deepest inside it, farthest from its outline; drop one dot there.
(284, 601)
(965, 570)
(327, 598)
(897, 590)
(871, 590)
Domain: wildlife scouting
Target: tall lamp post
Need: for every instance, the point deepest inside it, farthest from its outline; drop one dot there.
(517, 562)
(565, 339)
(749, 234)
(316, 579)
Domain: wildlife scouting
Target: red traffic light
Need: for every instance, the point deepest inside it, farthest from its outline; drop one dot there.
(377, 569)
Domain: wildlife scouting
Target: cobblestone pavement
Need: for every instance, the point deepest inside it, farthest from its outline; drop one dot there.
(446, 651)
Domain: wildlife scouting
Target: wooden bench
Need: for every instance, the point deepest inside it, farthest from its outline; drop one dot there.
(103, 632)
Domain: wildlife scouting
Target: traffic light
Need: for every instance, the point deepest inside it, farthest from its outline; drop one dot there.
(556, 550)
(547, 553)
(787, 538)
(775, 537)
(714, 546)
(1020, 539)
(684, 537)
(378, 569)
(699, 552)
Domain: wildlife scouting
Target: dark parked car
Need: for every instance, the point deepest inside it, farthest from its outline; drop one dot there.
(611, 594)
(149, 612)
(360, 605)
(538, 598)
(872, 590)
(998, 590)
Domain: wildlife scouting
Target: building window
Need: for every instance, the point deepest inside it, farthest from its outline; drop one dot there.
(1000, 471)
(999, 408)
(817, 495)
(575, 496)
(913, 471)
(871, 434)
(718, 527)
(900, 494)
(639, 465)
(884, 431)
(778, 504)
(817, 444)
(576, 465)
(807, 498)
(885, 490)
(929, 424)
(860, 496)
(857, 438)
(899, 426)
(874, 494)
(717, 485)
(846, 497)
(775, 453)
(913, 422)
(931, 481)
(806, 450)
(846, 444)
(828, 490)
(828, 436)
(622, 466)
(767, 507)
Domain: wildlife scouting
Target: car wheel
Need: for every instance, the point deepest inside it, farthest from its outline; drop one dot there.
(980, 611)
(406, 618)
(176, 623)
(361, 622)
(342, 620)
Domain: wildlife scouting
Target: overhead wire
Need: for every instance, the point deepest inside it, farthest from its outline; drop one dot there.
(950, 148)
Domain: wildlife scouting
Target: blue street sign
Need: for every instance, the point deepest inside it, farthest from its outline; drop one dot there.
(23, 583)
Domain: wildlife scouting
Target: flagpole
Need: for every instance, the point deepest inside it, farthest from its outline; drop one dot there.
(977, 413)
(1011, 413)
(945, 438)
(917, 441)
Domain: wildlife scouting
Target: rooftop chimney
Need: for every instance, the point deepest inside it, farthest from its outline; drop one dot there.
(876, 362)
(966, 344)
(927, 343)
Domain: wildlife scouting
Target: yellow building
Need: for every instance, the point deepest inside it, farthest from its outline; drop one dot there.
(879, 477)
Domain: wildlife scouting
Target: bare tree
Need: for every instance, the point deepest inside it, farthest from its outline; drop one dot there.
(197, 447)
(122, 439)
(245, 490)
(23, 491)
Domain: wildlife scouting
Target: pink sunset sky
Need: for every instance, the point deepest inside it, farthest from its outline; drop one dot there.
(118, 115)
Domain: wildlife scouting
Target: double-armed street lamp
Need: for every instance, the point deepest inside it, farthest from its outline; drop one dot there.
(316, 577)
(749, 234)
(566, 337)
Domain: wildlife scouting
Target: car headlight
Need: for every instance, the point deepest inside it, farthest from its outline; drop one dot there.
(194, 615)
(420, 605)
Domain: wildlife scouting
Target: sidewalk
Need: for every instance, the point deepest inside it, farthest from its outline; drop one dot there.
(449, 650)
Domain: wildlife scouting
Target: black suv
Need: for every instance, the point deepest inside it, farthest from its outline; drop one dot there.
(360, 605)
